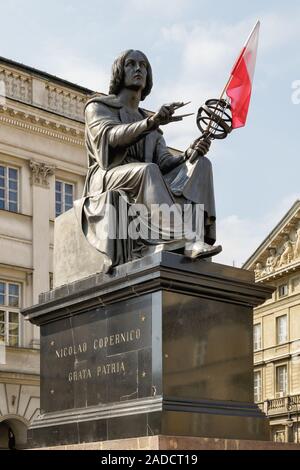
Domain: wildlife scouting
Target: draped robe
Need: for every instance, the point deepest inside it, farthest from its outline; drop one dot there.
(130, 160)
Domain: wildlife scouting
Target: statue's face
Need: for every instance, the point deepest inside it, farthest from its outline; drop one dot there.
(135, 71)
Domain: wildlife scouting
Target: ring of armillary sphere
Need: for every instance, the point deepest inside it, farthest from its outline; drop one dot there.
(214, 119)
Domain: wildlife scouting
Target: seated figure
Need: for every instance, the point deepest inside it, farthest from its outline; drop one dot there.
(288, 252)
(272, 261)
(129, 165)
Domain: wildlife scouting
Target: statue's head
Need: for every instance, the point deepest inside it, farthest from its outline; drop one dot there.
(131, 69)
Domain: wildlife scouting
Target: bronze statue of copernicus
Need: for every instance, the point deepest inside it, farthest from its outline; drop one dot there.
(128, 158)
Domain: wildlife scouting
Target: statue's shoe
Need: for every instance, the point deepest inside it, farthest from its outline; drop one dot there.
(199, 249)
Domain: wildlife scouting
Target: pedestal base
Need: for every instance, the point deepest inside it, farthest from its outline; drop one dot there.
(163, 346)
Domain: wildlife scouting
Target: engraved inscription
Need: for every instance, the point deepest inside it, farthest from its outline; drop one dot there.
(76, 376)
(100, 356)
(99, 344)
(105, 369)
(114, 368)
(126, 337)
(71, 350)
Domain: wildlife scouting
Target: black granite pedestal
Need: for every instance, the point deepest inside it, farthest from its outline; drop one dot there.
(163, 346)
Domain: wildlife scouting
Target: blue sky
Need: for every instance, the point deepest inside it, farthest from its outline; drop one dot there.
(192, 45)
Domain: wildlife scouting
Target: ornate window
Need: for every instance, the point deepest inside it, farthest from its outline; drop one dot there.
(257, 386)
(257, 343)
(281, 329)
(64, 196)
(10, 302)
(9, 188)
(281, 381)
(283, 290)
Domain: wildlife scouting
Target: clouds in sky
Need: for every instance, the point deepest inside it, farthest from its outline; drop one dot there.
(77, 69)
(207, 54)
(241, 236)
(208, 50)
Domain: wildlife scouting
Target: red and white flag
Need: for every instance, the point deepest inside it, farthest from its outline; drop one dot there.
(239, 88)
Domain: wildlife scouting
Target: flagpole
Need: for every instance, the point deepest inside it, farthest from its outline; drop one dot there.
(221, 97)
(194, 154)
(249, 37)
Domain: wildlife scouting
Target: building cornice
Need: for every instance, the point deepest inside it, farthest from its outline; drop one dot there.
(19, 378)
(290, 219)
(31, 121)
(279, 254)
(15, 66)
(281, 273)
(264, 362)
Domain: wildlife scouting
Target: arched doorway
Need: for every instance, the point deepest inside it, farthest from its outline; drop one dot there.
(13, 433)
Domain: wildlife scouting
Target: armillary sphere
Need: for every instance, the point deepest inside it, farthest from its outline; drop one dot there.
(214, 119)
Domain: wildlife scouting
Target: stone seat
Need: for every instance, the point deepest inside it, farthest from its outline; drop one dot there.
(74, 257)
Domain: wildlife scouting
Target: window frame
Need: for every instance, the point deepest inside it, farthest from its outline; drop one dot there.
(286, 338)
(7, 188)
(260, 343)
(7, 310)
(259, 371)
(279, 394)
(63, 195)
(281, 296)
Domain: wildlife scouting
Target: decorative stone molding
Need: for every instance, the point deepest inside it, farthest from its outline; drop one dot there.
(61, 100)
(40, 173)
(281, 258)
(65, 102)
(279, 253)
(33, 123)
(17, 86)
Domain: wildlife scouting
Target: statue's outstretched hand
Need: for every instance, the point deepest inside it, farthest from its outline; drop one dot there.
(165, 114)
(199, 148)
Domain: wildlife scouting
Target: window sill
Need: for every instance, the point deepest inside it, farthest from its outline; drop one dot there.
(12, 212)
(15, 213)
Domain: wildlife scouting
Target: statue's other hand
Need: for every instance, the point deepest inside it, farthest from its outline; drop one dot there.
(199, 148)
(165, 114)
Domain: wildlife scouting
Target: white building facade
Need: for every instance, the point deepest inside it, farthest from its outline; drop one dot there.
(276, 262)
(42, 170)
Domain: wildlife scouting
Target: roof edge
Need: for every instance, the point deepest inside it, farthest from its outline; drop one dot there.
(269, 237)
(46, 75)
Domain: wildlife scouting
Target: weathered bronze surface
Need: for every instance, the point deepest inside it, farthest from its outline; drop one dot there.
(128, 159)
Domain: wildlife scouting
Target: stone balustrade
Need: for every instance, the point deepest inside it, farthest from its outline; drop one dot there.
(62, 100)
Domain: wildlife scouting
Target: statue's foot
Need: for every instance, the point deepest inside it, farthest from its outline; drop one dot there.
(201, 250)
